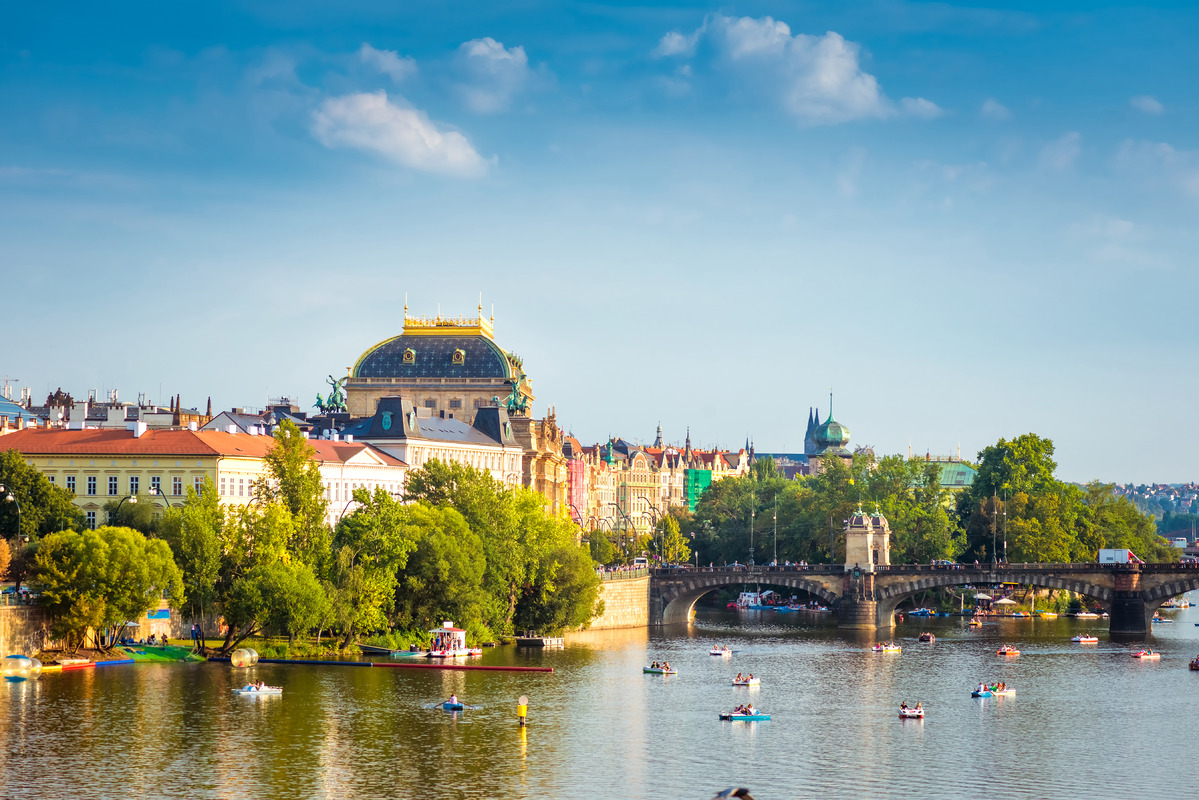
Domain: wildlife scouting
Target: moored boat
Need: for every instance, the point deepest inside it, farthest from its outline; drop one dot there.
(448, 642)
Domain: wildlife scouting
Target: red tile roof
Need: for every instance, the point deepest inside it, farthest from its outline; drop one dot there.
(116, 442)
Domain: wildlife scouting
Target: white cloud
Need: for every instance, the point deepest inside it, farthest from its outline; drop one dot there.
(1147, 104)
(676, 44)
(818, 79)
(847, 177)
(492, 75)
(1159, 161)
(387, 62)
(1060, 153)
(368, 121)
(994, 110)
(919, 107)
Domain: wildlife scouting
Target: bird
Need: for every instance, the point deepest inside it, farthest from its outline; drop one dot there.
(733, 792)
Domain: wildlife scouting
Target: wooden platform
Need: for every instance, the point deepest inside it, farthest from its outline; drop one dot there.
(540, 641)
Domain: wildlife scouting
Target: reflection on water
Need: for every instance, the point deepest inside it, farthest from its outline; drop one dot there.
(1083, 716)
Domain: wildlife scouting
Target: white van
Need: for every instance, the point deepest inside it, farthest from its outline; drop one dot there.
(640, 562)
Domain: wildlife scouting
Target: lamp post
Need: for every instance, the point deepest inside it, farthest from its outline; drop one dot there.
(131, 500)
(752, 509)
(9, 497)
(161, 495)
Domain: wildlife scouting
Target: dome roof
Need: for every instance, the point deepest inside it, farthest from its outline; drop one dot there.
(831, 434)
(423, 356)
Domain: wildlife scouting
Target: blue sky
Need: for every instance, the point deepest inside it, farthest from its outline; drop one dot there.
(969, 221)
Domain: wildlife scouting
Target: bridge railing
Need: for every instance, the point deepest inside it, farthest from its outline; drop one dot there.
(622, 574)
(915, 569)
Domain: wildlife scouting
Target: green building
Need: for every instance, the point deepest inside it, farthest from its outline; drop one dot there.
(695, 483)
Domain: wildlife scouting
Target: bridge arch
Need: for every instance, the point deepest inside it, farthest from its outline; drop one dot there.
(677, 595)
(889, 596)
(1163, 592)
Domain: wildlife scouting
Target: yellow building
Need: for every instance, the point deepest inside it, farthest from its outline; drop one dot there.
(104, 465)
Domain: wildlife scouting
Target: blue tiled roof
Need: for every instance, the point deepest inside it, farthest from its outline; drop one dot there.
(434, 358)
(11, 410)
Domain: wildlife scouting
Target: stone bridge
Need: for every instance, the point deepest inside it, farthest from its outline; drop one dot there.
(1130, 593)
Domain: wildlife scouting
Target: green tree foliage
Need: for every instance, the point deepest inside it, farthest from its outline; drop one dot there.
(295, 481)
(672, 544)
(369, 547)
(275, 597)
(142, 513)
(602, 549)
(195, 534)
(102, 578)
(444, 576)
(43, 507)
(520, 539)
(5, 559)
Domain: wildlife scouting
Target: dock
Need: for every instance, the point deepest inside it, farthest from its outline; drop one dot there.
(540, 641)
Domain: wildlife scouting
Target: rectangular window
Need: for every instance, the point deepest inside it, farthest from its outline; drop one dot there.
(91, 484)
(222, 486)
(241, 487)
(134, 482)
(430, 404)
(199, 483)
(112, 484)
(51, 477)
(155, 484)
(70, 483)
(91, 519)
(455, 404)
(177, 486)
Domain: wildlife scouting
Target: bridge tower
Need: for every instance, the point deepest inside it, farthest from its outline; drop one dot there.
(867, 546)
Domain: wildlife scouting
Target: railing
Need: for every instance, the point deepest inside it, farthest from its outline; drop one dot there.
(623, 574)
(912, 569)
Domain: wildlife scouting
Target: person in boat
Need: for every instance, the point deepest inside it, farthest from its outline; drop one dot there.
(750, 710)
(751, 676)
(982, 687)
(903, 706)
(666, 665)
(453, 699)
(739, 679)
(918, 706)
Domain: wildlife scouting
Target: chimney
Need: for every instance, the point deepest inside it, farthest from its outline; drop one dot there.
(252, 430)
(20, 422)
(231, 429)
(349, 437)
(137, 427)
(192, 426)
(209, 412)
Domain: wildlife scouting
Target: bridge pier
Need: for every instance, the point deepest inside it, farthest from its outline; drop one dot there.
(1130, 614)
(859, 609)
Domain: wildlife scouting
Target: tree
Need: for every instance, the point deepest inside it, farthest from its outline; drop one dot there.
(41, 506)
(672, 544)
(443, 578)
(518, 535)
(602, 549)
(369, 547)
(275, 597)
(141, 514)
(102, 578)
(566, 596)
(195, 533)
(295, 481)
(5, 559)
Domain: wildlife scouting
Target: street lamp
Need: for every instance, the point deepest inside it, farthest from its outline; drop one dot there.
(12, 498)
(131, 500)
(161, 495)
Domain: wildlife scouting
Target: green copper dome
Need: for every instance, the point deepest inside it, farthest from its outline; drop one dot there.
(831, 434)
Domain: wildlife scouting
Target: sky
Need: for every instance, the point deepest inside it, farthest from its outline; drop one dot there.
(967, 221)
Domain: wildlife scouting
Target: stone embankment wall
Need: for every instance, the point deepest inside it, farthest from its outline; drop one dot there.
(24, 630)
(626, 604)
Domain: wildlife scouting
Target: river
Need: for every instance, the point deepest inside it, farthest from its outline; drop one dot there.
(1087, 720)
